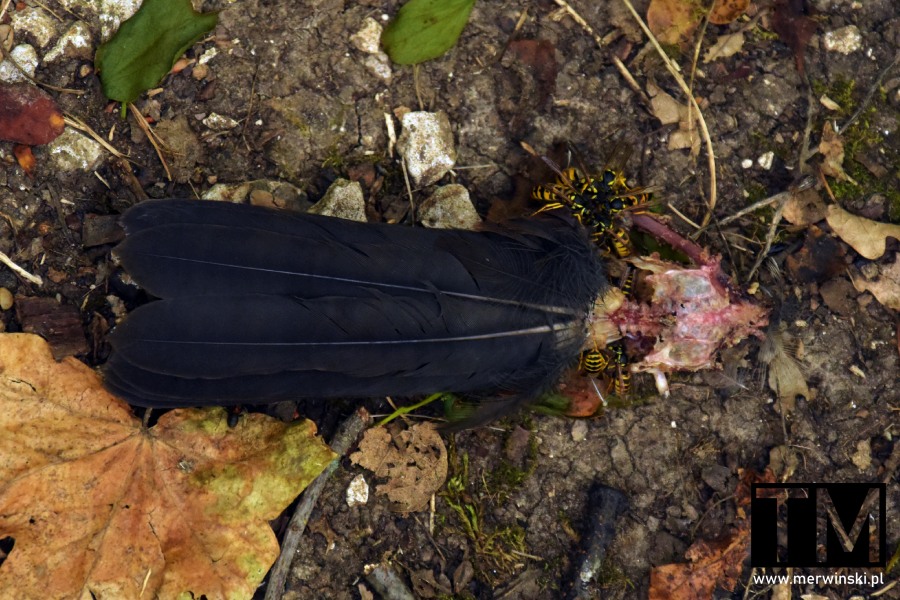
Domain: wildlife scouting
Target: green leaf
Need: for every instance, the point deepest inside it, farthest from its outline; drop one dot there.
(146, 46)
(425, 29)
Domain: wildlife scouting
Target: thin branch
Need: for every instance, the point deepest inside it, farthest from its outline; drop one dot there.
(343, 440)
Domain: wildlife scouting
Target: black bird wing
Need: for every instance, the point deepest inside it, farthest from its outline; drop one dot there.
(260, 305)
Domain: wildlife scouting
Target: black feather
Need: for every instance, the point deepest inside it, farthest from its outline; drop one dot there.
(260, 305)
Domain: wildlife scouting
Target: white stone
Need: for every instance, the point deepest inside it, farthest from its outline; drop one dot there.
(72, 151)
(76, 42)
(357, 491)
(36, 21)
(26, 57)
(844, 40)
(427, 145)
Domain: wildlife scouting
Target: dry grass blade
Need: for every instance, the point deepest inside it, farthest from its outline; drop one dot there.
(19, 270)
(76, 123)
(673, 70)
(151, 135)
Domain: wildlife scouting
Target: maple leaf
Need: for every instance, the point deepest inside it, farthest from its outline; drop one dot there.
(102, 507)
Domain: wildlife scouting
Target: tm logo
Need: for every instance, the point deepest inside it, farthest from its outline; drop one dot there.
(818, 525)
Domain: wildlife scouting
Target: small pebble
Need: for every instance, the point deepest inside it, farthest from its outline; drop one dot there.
(844, 40)
(344, 199)
(426, 144)
(449, 207)
(357, 491)
(579, 431)
(6, 299)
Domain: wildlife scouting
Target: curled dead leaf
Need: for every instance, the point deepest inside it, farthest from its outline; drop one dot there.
(725, 46)
(725, 11)
(886, 288)
(866, 236)
(100, 506)
(831, 147)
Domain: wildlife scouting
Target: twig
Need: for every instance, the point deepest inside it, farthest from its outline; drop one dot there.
(509, 39)
(770, 236)
(343, 440)
(76, 123)
(710, 154)
(803, 184)
(865, 103)
(683, 217)
(151, 135)
(19, 270)
(580, 20)
(629, 79)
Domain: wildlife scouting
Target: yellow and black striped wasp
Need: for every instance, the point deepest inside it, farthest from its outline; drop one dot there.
(612, 361)
(597, 201)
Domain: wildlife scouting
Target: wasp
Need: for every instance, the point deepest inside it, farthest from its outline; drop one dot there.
(595, 200)
(611, 361)
(598, 202)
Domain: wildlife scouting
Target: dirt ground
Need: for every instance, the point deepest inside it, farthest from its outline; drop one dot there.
(310, 106)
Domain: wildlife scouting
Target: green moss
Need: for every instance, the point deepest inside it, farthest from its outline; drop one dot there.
(497, 548)
(861, 137)
(611, 577)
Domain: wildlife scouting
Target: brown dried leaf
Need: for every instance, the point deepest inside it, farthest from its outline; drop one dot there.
(820, 258)
(831, 147)
(804, 208)
(540, 56)
(101, 507)
(866, 236)
(716, 563)
(886, 288)
(725, 46)
(669, 111)
(414, 462)
(28, 115)
(674, 21)
(785, 377)
(725, 11)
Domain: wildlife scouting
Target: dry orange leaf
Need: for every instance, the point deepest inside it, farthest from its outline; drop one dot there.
(673, 21)
(25, 158)
(866, 236)
(102, 507)
(725, 11)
